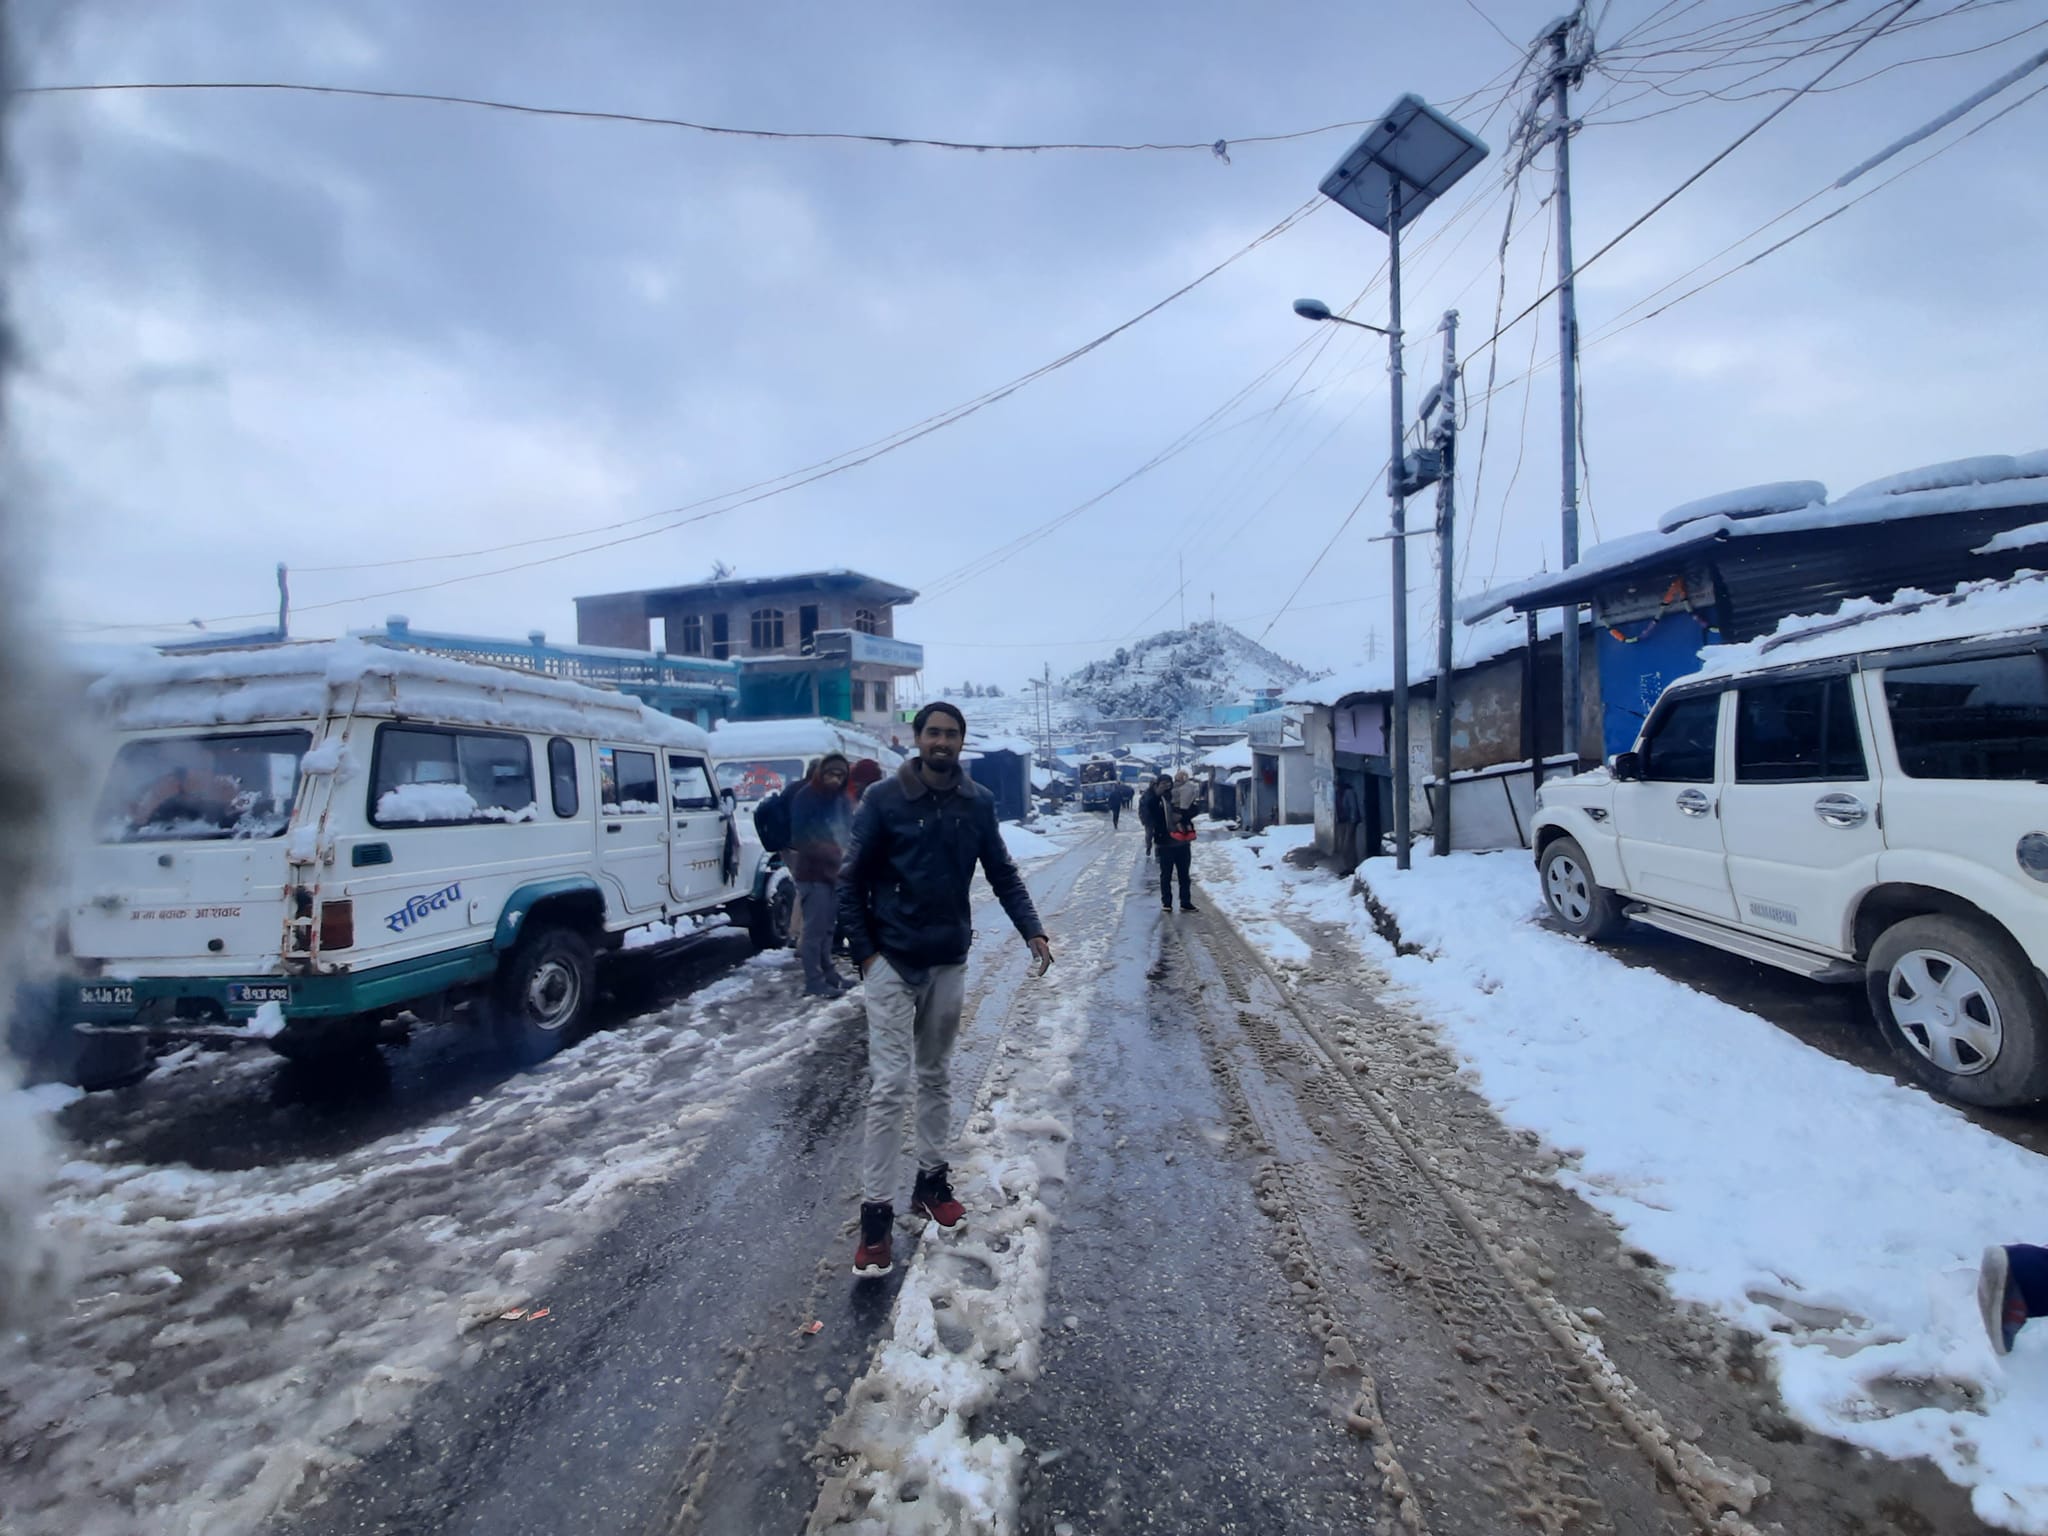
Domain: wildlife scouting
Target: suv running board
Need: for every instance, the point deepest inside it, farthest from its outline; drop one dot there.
(1750, 946)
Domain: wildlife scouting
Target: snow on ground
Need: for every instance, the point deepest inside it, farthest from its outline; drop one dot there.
(1026, 843)
(1837, 1215)
(234, 1331)
(971, 1312)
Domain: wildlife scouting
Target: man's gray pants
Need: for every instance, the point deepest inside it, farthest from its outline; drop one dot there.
(820, 902)
(910, 1061)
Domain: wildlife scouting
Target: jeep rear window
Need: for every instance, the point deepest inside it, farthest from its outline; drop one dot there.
(1798, 732)
(202, 788)
(1985, 718)
(425, 777)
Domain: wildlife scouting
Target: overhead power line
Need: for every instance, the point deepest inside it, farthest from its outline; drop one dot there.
(679, 517)
(1218, 147)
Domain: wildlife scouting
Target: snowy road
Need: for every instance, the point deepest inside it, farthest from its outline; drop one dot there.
(1244, 1255)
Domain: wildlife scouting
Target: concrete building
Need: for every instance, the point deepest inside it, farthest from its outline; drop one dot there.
(817, 643)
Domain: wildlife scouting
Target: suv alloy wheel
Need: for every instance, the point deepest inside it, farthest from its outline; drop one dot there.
(1582, 907)
(1956, 1000)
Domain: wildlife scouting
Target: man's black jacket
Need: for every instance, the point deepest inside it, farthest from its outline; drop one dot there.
(904, 890)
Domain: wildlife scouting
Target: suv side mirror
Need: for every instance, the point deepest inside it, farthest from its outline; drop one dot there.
(729, 799)
(1628, 768)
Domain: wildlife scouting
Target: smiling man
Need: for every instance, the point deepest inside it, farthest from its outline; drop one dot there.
(905, 906)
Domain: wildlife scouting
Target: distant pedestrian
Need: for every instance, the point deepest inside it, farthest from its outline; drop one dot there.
(2012, 1286)
(1177, 845)
(820, 821)
(1152, 813)
(1117, 792)
(904, 906)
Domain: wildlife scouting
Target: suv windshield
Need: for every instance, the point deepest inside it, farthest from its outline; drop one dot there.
(202, 787)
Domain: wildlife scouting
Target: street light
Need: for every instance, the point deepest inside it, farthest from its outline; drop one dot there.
(1316, 309)
(1402, 164)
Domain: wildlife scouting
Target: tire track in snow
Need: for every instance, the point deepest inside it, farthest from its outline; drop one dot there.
(238, 1333)
(1473, 1285)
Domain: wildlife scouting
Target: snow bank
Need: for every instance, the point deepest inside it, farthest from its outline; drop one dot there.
(1832, 1212)
(1024, 843)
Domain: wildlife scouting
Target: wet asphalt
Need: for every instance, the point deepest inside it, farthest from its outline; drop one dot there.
(1178, 1390)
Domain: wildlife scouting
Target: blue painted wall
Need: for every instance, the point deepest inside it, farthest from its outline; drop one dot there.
(1633, 675)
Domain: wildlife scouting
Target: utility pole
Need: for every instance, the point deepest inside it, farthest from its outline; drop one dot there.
(1397, 495)
(1564, 74)
(1447, 445)
(284, 602)
(1183, 561)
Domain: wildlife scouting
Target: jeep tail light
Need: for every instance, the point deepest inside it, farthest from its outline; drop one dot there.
(337, 924)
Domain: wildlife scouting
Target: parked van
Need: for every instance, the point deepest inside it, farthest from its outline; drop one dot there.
(301, 842)
(758, 757)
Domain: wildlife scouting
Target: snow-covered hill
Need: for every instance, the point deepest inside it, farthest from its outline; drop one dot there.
(1178, 670)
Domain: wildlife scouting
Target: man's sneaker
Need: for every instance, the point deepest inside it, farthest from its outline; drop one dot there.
(2004, 1308)
(1166, 906)
(872, 1259)
(1189, 906)
(933, 1198)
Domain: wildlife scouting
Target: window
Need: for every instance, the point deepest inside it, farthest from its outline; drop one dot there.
(626, 783)
(882, 695)
(692, 633)
(1679, 748)
(689, 784)
(756, 780)
(867, 621)
(562, 776)
(447, 778)
(174, 788)
(807, 626)
(860, 695)
(721, 638)
(1980, 719)
(1797, 733)
(767, 629)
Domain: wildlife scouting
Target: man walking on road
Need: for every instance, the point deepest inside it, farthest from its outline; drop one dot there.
(1152, 813)
(904, 905)
(1118, 793)
(1177, 843)
(820, 821)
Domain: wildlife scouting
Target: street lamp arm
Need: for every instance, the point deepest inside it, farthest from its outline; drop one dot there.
(1316, 309)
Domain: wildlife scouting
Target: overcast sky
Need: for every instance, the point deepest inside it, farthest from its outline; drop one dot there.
(330, 331)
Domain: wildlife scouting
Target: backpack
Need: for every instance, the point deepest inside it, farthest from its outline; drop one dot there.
(771, 820)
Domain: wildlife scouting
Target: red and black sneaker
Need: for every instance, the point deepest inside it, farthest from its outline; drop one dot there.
(933, 1198)
(872, 1259)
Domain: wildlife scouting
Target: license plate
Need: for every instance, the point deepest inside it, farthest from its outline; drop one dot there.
(259, 992)
(107, 995)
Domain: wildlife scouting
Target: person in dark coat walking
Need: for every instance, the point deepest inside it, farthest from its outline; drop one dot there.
(1152, 813)
(904, 905)
(1178, 802)
(820, 821)
(1119, 797)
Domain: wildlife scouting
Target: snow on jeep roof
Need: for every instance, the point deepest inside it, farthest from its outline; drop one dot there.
(1975, 610)
(808, 737)
(308, 680)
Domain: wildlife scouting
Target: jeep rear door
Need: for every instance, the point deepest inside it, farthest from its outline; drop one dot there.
(632, 827)
(1666, 820)
(1799, 817)
(696, 850)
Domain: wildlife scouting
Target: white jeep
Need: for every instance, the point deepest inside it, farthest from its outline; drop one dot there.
(1865, 799)
(301, 843)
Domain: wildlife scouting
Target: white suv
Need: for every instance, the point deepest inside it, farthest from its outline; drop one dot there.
(1848, 809)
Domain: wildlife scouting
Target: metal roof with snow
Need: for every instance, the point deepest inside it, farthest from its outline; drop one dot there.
(739, 587)
(1778, 549)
